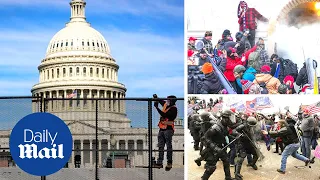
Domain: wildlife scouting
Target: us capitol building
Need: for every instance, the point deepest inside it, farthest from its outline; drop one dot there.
(79, 58)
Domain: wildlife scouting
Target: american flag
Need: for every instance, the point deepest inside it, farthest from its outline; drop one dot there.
(314, 108)
(263, 102)
(250, 107)
(73, 94)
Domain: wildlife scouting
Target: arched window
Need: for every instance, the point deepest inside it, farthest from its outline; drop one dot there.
(71, 42)
(67, 43)
(70, 72)
(52, 74)
(84, 72)
(97, 44)
(64, 72)
(88, 43)
(107, 73)
(91, 72)
(102, 73)
(97, 72)
(77, 71)
(58, 73)
(82, 43)
(61, 44)
(93, 44)
(57, 45)
(48, 74)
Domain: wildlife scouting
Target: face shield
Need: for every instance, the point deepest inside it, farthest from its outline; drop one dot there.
(233, 118)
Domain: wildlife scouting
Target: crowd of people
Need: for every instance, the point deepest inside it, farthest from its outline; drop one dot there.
(232, 136)
(245, 64)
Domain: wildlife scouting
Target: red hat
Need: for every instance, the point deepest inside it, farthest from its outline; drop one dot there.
(289, 79)
(246, 86)
(192, 38)
(190, 53)
(265, 69)
(233, 109)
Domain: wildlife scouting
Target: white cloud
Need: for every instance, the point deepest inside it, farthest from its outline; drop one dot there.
(136, 7)
(142, 58)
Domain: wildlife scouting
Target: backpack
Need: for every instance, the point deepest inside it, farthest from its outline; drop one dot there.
(254, 60)
(290, 68)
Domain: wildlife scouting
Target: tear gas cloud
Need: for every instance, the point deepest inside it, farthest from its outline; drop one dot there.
(300, 38)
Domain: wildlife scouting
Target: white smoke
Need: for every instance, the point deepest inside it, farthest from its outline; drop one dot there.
(298, 44)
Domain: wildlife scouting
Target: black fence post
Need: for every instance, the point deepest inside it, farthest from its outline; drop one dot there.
(44, 104)
(41, 98)
(150, 139)
(44, 110)
(97, 158)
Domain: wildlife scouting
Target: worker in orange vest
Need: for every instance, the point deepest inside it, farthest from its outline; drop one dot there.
(166, 129)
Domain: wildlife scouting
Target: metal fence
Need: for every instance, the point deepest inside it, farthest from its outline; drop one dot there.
(112, 138)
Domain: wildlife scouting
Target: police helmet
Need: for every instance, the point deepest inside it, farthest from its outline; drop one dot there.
(252, 121)
(205, 116)
(196, 117)
(227, 113)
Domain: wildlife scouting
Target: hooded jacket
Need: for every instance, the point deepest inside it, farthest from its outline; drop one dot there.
(210, 85)
(271, 82)
(231, 63)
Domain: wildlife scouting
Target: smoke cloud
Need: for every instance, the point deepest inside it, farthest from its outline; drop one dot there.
(299, 39)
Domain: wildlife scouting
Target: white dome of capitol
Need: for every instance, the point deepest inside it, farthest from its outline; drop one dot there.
(78, 38)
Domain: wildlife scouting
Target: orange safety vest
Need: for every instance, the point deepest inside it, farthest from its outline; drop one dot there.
(164, 122)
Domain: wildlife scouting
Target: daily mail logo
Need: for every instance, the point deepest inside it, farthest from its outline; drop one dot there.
(43, 140)
(31, 150)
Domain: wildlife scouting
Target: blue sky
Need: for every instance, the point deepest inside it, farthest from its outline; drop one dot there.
(136, 31)
(12, 110)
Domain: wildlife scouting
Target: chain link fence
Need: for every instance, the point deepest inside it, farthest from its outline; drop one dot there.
(112, 138)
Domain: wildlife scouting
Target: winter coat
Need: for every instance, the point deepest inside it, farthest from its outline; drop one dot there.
(210, 85)
(271, 82)
(249, 74)
(302, 77)
(307, 126)
(231, 63)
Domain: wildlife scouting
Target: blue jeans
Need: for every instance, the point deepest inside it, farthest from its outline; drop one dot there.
(291, 149)
(306, 146)
(314, 143)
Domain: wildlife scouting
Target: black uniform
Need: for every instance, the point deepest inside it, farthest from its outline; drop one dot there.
(195, 127)
(243, 147)
(215, 141)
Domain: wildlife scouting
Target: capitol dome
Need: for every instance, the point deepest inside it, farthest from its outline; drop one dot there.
(78, 64)
(78, 38)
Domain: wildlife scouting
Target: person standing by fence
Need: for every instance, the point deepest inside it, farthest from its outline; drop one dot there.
(168, 114)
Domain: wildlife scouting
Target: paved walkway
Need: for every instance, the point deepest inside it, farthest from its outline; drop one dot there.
(266, 171)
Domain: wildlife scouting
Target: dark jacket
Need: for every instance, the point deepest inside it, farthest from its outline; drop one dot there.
(202, 61)
(287, 134)
(302, 78)
(208, 45)
(210, 85)
(307, 126)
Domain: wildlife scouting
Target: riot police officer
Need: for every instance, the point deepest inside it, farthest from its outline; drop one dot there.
(215, 143)
(244, 145)
(195, 127)
(206, 124)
